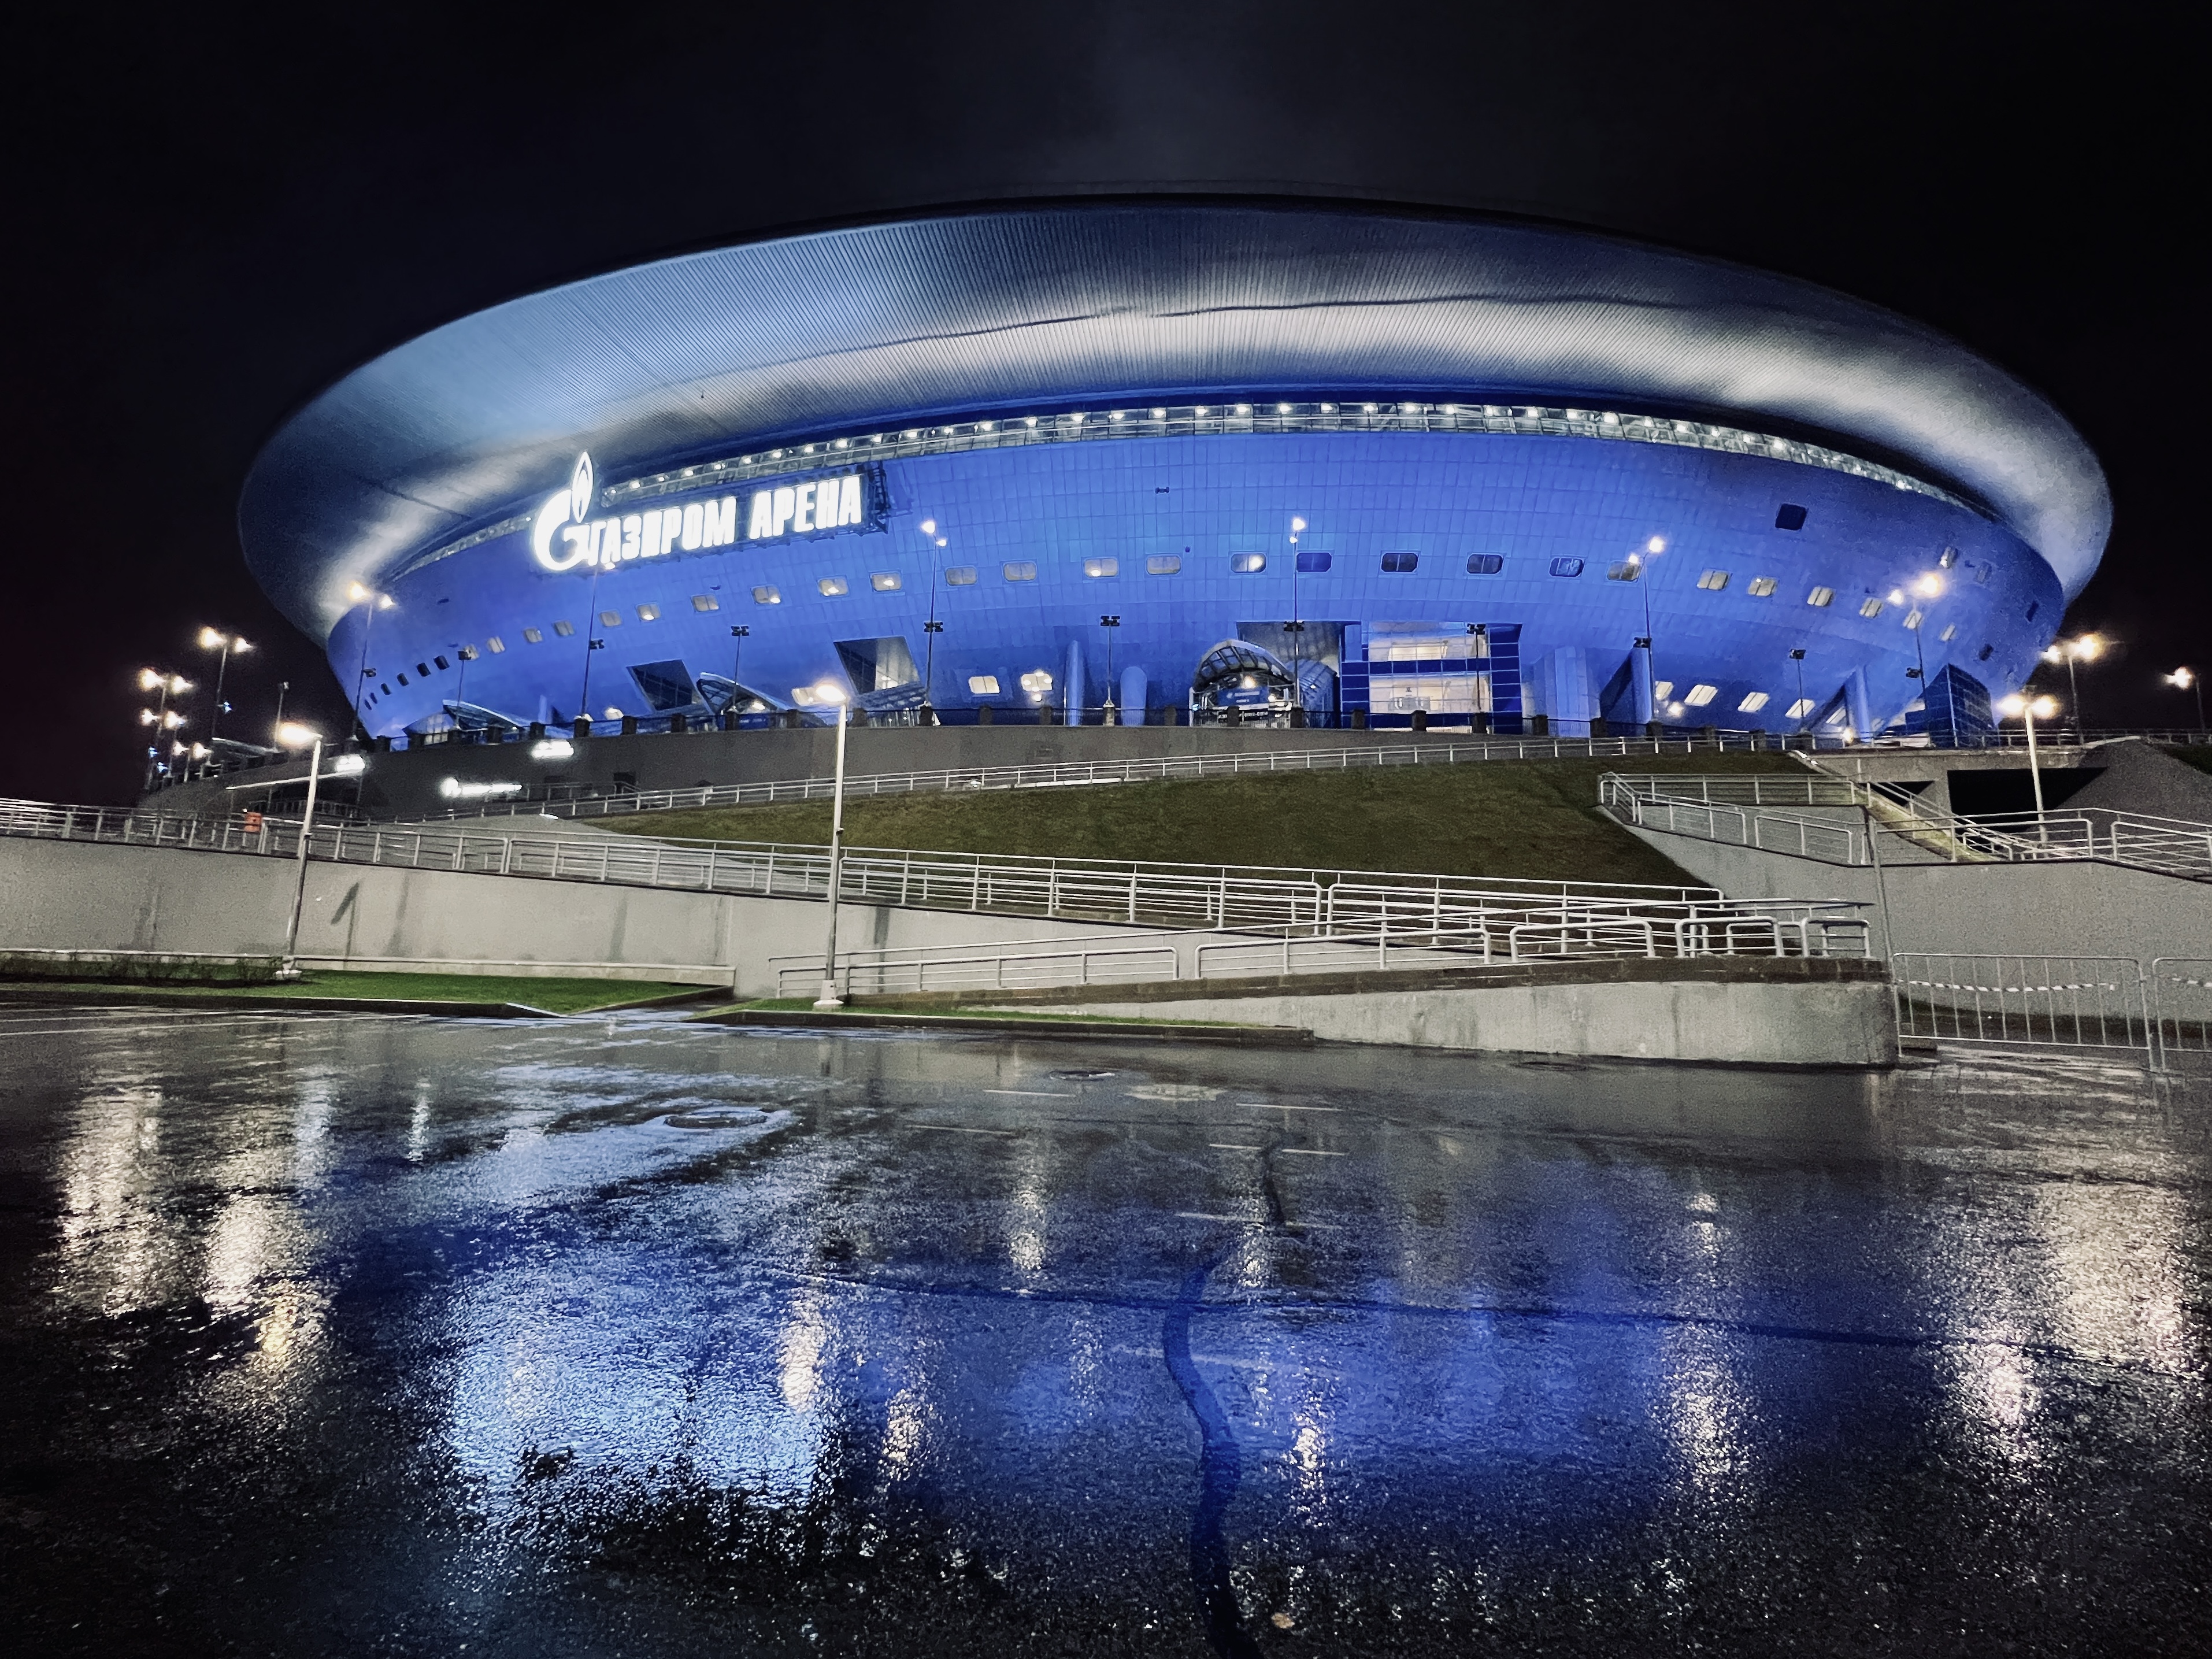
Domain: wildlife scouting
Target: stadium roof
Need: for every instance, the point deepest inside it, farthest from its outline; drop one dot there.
(1027, 306)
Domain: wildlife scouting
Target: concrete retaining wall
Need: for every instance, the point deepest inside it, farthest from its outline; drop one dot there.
(76, 896)
(2073, 908)
(1790, 1013)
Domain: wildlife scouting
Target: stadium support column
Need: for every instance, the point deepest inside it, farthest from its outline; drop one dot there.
(1072, 687)
(1639, 674)
(1860, 705)
(1134, 689)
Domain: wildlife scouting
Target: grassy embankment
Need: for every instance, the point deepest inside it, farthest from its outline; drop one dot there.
(1532, 820)
(555, 996)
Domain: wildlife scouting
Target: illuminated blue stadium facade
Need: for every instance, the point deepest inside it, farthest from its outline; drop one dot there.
(1316, 463)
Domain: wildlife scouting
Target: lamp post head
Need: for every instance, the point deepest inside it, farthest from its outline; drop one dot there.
(2087, 648)
(829, 692)
(293, 735)
(2183, 677)
(1929, 587)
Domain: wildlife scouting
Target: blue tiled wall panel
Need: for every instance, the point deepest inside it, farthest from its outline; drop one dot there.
(1205, 500)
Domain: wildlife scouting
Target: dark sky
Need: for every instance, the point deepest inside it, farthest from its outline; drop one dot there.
(210, 218)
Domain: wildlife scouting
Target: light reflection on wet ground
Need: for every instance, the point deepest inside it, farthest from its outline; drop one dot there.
(358, 1335)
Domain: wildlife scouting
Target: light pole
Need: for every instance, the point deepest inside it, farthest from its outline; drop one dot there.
(930, 630)
(1109, 623)
(2087, 648)
(830, 998)
(292, 737)
(374, 601)
(160, 717)
(739, 632)
(214, 640)
(282, 686)
(2017, 707)
(1650, 550)
(1804, 719)
(591, 642)
(1928, 587)
(2187, 679)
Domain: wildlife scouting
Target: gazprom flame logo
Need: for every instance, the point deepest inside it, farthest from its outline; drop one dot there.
(566, 514)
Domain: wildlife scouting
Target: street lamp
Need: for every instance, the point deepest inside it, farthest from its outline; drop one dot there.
(295, 737)
(931, 630)
(2087, 648)
(160, 717)
(2029, 709)
(1109, 623)
(374, 601)
(830, 998)
(1805, 719)
(739, 632)
(2187, 679)
(1928, 587)
(214, 640)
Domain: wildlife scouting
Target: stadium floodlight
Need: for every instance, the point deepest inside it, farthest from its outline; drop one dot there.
(1929, 587)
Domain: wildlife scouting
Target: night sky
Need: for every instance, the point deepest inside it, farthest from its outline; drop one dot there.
(209, 221)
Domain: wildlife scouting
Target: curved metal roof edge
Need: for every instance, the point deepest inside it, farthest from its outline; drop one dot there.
(2082, 564)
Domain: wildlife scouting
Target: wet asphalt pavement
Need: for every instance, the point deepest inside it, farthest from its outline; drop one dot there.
(394, 1336)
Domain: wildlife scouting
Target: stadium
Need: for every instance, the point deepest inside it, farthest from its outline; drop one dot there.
(1180, 460)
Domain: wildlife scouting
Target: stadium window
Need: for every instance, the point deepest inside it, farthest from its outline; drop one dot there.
(1752, 704)
(1870, 606)
(1399, 563)
(885, 581)
(494, 644)
(1698, 696)
(1037, 682)
(2033, 609)
(1020, 570)
(402, 678)
(1947, 632)
(1627, 571)
(1761, 587)
(387, 687)
(1163, 564)
(982, 685)
(1984, 571)
(1789, 518)
(705, 602)
(1983, 654)
(1248, 564)
(1820, 598)
(1664, 690)
(532, 636)
(610, 619)
(1484, 564)
(960, 575)
(767, 596)
(1102, 566)
(832, 586)
(648, 613)
(1800, 709)
(442, 664)
(564, 630)
(1713, 581)
(1913, 618)
(1945, 559)
(423, 670)
(1566, 567)
(1312, 561)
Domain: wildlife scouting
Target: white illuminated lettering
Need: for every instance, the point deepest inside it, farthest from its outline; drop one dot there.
(694, 521)
(763, 522)
(606, 542)
(551, 518)
(787, 501)
(672, 528)
(721, 525)
(630, 529)
(848, 500)
(649, 540)
(804, 520)
(579, 539)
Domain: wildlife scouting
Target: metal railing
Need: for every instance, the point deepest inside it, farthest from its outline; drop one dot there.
(1079, 774)
(1130, 892)
(1476, 935)
(1736, 810)
(2181, 1007)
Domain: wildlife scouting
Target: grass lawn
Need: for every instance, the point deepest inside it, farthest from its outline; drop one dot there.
(1536, 820)
(556, 996)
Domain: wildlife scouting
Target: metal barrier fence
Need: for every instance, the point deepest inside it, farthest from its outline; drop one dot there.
(1475, 936)
(2181, 1007)
(2021, 1002)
